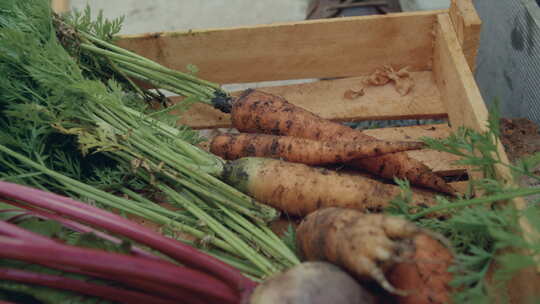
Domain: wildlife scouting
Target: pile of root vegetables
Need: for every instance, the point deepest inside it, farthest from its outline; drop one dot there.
(295, 161)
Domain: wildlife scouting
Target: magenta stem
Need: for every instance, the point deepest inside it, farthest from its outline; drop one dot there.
(165, 291)
(101, 291)
(96, 217)
(79, 228)
(121, 266)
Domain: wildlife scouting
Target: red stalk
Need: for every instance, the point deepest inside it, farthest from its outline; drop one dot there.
(119, 265)
(24, 235)
(101, 291)
(168, 292)
(116, 224)
(79, 228)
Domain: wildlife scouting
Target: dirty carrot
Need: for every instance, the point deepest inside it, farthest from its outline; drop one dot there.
(260, 112)
(369, 245)
(301, 150)
(426, 273)
(299, 189)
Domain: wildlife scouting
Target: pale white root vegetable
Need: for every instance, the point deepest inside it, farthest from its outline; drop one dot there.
(311, 283)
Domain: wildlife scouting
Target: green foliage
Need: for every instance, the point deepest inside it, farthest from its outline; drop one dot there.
(482, 230)
(70, 127)
(289, 238)
(99, 26)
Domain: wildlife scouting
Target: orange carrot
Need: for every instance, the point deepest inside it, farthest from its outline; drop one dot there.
(300, 150)
(370, 245)
(425, 273)
(299, 189)
(259, 112)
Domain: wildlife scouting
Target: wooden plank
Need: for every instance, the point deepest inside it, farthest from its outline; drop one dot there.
(326, 99)
(457, 87)
(466, 108)
(337, 47)
(60, 6)
(467, 25)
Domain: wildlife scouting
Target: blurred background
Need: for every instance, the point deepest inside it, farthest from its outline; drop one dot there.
(162, 15)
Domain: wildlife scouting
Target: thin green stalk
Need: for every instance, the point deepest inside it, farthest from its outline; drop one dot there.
(241, 264)
(113, 201)
(254, 273)
(152, 64)
(172, 159)
(227, 190)
(168, 80)
(21, 176)
(277, 247)
(478, 201)
(193, 186)
(163, 211)
(162, 85)
(262, 243)
(246, 205)
(191, 151)
(248, 252)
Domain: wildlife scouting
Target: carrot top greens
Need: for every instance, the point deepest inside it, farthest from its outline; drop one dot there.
(70, 123)
(484, 230)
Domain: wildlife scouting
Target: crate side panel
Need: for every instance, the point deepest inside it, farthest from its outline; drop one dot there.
(337, 47)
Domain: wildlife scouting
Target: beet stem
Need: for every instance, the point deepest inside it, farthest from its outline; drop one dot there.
(101, 291)
(119, 265)
(116, 224)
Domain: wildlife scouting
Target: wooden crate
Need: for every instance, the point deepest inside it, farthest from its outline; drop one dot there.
(439, 47)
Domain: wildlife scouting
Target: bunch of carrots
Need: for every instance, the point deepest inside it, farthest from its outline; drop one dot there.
(279, 155)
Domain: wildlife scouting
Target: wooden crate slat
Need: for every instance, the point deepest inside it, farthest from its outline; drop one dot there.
(309, 49)
(467, 25)
(458, 88)
(326, 99)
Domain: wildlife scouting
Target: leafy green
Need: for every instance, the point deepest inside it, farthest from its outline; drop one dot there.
(289, 238)
(482, 230)
(70, 126)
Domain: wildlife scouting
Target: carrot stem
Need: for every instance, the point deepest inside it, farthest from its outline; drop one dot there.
(248, 252)
(151, 64)
(477, 201)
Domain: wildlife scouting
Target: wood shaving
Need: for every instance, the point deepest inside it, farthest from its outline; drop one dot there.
(351, 94)
(402, 80)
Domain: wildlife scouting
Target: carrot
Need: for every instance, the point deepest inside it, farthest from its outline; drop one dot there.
(427, 275)
(368, 245)
(259, 112)
(300, 150)
(298, 189)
